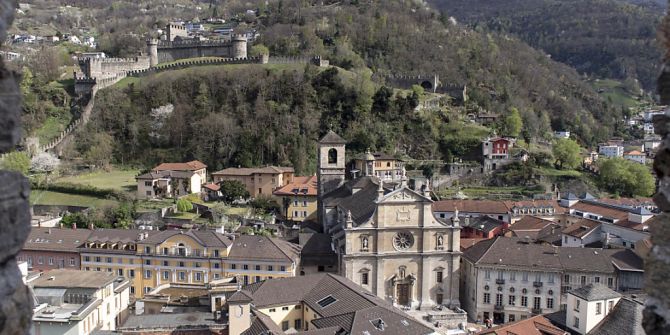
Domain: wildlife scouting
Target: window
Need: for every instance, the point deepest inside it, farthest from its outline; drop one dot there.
(233, 266)
(327, 301)
(87, 259)
(295, 203)
(285, 308)
(487, 298)
(272, 310)
(216, 253)
(332, 156)
(566, 279)
(71, 261)
(147, 250)
(257, 279)
(97, 259)
(511, 318)
(165, 251)
(246, 280)
(147, 183)
(610, 282)
(131, 273)
(51, 261)
(538, 277)
(148, 193)
(524, 301)
(576, 323)
(577, 302)
(298, 324)
(512, 276)
(583, 280)
(245, 267)
(537, 302)
(166, 275)
(304, 203)
(132, 290)
(147, 262)
(511, 300)
(284, 324)
(550, 278)
(198, 276)
(109, 259)
(282, 268)
(501, 274)
(257, 267)
(181, 264)
(166, 263)
(147, 274)
(217, 265)
(364, 278)
(197, 264)
(550, 303)
(524, 276)
(270, 268)
(610, 305)
(119, 272)
(599, 308)
(439, 276)
(499, 299)
(596, 280)
(487, 274)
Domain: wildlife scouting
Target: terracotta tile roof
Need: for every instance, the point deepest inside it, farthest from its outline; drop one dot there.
(300, 186)
(634, 153)
(251, 171)
(56, 239)
(471, 206)
(212, 187)
(536, 325)
(529, 222)
(581, 228)
(606, 211)
(537, 204)
(188, 166)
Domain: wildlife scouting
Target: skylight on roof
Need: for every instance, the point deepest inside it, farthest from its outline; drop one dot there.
(327, 301)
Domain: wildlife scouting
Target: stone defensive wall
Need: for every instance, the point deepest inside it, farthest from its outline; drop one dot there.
(430, 82)
(186, 63)
(169, 51)
(95, 67)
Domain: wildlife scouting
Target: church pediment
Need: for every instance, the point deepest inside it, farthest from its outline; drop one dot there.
(403, 195)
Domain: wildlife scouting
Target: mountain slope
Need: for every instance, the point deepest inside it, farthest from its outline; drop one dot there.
(606, 38)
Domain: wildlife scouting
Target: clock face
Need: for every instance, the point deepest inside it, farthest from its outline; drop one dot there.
(403, 240)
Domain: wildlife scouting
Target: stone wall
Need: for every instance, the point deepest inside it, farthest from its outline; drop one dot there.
(15, 300)
(169, 51)
(657, 266)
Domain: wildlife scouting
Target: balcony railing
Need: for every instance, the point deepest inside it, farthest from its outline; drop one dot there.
(500, 281)
(537, 284)
(498, 307)
(536, 310)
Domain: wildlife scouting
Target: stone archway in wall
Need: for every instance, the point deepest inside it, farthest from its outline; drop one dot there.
(427, 85)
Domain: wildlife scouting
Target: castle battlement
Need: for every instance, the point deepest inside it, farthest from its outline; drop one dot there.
(192, 43)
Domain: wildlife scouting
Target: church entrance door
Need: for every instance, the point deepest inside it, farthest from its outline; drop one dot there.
(403, 294)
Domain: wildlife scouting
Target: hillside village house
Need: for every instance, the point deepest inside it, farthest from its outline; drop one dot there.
(152, 258)
(635, 156)
(381, 165)
(172, 179)
(257, 181)
(495, 152)
(610, 150)
(74, 302)
(299, 198)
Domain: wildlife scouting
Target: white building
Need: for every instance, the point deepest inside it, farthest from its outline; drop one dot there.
(650, 144)
(610, 150)
(648, 128)
(73, 302)
(588, 306)
(636, 156)
(562, 134)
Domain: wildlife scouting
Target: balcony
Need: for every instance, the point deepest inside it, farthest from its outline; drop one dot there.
(537, 284)
(536, 310)
(498, 308)
(500, 281)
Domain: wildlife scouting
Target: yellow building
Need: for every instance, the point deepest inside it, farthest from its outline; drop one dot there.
(153, 258)
(299, 198)
(257, 181)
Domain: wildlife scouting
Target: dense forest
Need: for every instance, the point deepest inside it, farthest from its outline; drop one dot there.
(605, 38)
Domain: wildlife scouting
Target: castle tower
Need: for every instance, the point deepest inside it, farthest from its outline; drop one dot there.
(239, 48)
(152, 46)
(330, 167)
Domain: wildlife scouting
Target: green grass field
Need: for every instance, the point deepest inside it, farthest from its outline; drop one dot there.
(615, 92)
(551, 172)
(42, 197)
(52, 127)
(117, 179)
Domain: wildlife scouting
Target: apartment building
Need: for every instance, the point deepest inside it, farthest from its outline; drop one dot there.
(507, 279)
(384, 166)
(299, 198)
(53, 248)
(153, 258)
(75, 302)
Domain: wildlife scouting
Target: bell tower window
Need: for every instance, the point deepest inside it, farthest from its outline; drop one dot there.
(332, 156)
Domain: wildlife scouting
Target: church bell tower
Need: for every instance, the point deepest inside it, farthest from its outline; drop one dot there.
(330, 167)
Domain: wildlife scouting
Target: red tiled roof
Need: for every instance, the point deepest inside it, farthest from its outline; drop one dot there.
(609, 212)
(212, 187)
(300, 186)
(634, 153)
(529, 222)
(537, 203)
(471, 206)
(581, 228)
(188, 166)
(537, 325)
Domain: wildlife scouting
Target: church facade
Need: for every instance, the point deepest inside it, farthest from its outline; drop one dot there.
(387, 239)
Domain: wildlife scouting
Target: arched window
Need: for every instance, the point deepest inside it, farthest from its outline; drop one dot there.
(332, 156)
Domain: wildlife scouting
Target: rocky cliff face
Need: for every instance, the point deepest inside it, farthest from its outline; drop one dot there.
(15, 300)
(657, 313)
